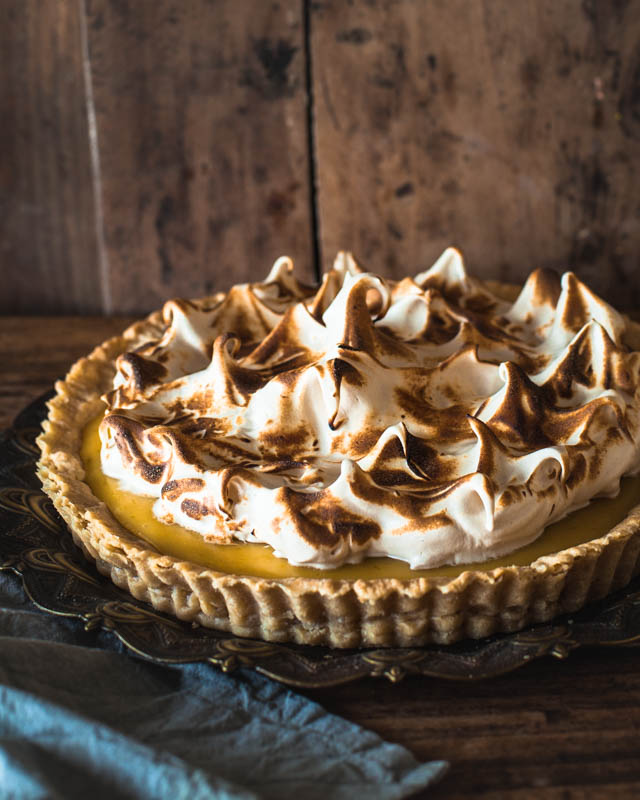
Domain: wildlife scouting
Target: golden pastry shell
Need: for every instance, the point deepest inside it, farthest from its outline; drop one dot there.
(383, 612)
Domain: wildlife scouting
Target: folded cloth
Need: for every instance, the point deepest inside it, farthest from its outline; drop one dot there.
(78, 720)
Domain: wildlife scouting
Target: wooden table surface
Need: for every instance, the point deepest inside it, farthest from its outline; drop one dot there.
(554, 729)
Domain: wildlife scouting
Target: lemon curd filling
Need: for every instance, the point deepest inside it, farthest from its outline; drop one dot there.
(134, 512)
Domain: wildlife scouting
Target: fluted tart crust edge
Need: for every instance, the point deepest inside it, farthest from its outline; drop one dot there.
(313, 611)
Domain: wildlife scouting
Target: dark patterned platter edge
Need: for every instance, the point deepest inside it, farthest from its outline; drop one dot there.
(36, 545)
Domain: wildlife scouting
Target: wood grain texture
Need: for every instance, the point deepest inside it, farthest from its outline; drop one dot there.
(554, 730)
(201, 119)
(509, 129)
(48, 251)
(550, 730)
(36, 351)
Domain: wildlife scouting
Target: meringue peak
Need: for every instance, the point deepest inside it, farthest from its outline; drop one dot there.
(424, 419)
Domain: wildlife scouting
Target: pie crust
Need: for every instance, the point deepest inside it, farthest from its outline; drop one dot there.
(381, 612)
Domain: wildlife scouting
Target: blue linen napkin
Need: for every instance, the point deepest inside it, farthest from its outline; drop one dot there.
(78, 720)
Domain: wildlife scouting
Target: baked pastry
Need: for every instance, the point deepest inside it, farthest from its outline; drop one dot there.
(433, 421)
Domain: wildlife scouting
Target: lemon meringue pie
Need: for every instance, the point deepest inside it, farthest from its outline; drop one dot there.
(343, 465)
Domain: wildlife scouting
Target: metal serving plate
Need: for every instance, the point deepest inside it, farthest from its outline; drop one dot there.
(36, 545)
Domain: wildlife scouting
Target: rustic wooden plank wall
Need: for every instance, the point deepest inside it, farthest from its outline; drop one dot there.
(199, 176)
(156, 147)
(48, 252)
(509, 129)
(201, 120)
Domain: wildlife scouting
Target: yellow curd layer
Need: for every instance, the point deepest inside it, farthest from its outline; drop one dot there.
(134, 512)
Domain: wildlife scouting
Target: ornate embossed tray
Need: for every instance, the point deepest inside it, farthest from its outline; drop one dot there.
(36, 545)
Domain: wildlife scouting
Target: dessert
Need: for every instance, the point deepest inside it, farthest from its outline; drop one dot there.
(431, 421)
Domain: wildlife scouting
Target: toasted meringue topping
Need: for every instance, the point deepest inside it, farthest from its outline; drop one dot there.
(425, 419)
